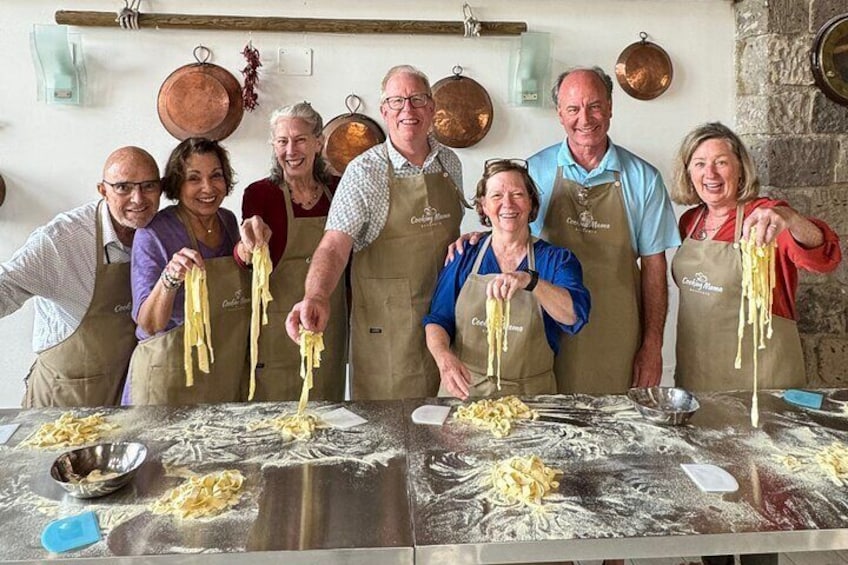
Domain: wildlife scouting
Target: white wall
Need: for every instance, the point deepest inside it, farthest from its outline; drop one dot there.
(51, 156)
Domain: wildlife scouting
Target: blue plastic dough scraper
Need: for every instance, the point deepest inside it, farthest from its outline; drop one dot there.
(71, 532)
(804, 398)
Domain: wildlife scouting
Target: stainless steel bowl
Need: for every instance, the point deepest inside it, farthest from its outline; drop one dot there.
(664, 405)
(117, 464)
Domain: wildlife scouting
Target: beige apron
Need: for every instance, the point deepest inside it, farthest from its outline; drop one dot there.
(593, 224)
(709, 275)
(157, 371)
(89, 366)
(528, 362)
(393, 281)
(278, 376)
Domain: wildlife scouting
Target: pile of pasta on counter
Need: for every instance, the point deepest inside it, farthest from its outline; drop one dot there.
(301, 425)
(496, 414)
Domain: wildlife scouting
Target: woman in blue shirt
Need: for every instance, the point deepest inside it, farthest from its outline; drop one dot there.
(543, 283)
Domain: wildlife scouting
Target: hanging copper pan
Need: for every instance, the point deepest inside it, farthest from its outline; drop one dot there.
(200, 100)
(644, 69)
(463, 110)
(348, 135)
(829, 59)
(2, 190)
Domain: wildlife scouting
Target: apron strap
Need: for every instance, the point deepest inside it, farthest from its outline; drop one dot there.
(697, 221)
(187, 227)
(739, 216)
(531, 254)
(101, 249)
(479, 259)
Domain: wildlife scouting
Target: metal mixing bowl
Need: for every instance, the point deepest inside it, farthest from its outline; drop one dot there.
(664, 405)
(71, 469)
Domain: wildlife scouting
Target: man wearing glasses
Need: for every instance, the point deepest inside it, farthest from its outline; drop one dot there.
(77, 269)
(397, 207)
(611, 208)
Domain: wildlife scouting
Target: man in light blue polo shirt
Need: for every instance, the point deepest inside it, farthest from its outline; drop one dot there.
(611, 208)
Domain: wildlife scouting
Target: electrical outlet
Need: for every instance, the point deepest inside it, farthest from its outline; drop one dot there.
(295, 61)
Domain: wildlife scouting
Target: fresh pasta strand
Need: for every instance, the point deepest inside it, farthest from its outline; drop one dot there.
(497, 327)
(496, 414)
(292, 426)
(260, 294)
(206, 495)
(758, 281)
(197, 330)
(311, 346)
(831, 461)
(68, 430)
(524, 480)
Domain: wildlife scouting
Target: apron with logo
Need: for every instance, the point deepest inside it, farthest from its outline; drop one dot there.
(709, 275)
(527, 363)
(157, 370)
(89, 366)
(393, 281)
(278, 376)
(592, 222)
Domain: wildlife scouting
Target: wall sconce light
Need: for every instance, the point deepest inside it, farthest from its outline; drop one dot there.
(529, 67)
(57, 57)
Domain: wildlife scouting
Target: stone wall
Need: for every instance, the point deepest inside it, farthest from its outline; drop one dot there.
(799, 139)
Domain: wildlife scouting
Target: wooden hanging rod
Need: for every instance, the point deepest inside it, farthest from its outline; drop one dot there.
(296, 25)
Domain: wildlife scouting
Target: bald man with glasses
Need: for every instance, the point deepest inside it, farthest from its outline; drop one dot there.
(77, 270)
(397, 207)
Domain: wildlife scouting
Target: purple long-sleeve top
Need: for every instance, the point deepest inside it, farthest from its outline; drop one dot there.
(154, 246)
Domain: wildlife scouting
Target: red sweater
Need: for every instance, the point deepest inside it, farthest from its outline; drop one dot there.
(265, 199)
(790, 255)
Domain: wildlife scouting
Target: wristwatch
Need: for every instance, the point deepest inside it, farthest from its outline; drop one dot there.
(534, 279)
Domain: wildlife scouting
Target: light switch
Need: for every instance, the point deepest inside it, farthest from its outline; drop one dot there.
(296, 61)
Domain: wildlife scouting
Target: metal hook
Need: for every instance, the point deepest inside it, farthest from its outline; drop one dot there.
(643, 36)
(353, 102)
(457, 70)
(472, 25)
(205, 54)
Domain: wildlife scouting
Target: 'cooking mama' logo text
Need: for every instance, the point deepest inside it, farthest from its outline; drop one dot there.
(430, 217)
(238, 300)
(701, 284)
(586, 223)
(475, 321)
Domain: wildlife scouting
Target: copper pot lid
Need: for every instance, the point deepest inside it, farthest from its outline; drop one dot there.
(349, 135)
(829, 59)
(644, 69)
(463, 110)
(200, 100)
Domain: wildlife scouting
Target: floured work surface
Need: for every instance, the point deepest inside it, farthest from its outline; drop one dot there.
(622, 492)
(343, 491)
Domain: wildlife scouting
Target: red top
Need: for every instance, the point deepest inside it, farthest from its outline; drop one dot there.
(790, 255)
(265, 199)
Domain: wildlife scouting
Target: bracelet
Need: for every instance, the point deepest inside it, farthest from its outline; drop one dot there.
(169, 281)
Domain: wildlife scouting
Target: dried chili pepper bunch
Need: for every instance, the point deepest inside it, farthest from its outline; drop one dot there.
(251, 77)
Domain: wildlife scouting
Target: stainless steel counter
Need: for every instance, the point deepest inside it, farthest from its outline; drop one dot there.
(390, 491)
(341, 496)
(623, 493)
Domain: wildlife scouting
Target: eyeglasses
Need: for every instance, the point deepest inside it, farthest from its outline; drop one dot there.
(507, 163)
(126, 188)
(416, 101)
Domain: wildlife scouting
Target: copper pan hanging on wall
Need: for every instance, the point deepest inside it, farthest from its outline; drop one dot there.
(200, 100)
(348, 135)
(463, 110)
(644, 69)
